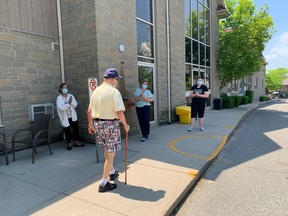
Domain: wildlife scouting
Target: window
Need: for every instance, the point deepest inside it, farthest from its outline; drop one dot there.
(197, 32)
(256, 83)
(144, 10)
(197, 38)
(144, 17)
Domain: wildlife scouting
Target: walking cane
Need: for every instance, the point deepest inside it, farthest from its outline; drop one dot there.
(126, 156)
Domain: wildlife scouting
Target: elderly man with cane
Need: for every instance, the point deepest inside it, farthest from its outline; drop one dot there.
(106, 110)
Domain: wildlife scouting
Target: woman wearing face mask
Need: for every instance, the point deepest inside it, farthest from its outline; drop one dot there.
(199, 93)
(66, 104)
(142, 97)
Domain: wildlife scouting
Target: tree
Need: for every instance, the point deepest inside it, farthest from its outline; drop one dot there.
(243, 36)
(274, 78)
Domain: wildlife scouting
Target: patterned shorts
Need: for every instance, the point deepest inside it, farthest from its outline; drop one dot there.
(108, 135)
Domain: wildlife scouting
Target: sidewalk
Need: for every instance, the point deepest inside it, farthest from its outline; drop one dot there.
(160, 172)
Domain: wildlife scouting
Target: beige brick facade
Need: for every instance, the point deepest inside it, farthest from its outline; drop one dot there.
(92, 32)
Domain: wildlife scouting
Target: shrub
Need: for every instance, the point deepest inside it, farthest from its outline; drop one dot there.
(250, 94)
(244, 100)
(228, 102)
(263, 98)
(238, 100)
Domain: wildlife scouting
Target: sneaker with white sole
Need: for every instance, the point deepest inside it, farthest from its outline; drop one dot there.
(191, 128)
(107, 187)
(202, 129)
(112, 177)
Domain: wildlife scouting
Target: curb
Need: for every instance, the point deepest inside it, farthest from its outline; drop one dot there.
(172, 211)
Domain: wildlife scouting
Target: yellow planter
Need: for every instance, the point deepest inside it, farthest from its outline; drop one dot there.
(184, 113)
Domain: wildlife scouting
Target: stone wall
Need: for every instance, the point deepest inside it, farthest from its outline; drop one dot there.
(29, 74)
(215, 92)
(92, 32)
(177, 58)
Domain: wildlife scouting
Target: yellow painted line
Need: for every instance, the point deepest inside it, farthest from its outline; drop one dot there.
(214, 153)
(219, 148)
(193, 173)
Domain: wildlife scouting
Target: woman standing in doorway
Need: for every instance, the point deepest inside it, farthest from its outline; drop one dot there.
(66, 104)
(143, 97)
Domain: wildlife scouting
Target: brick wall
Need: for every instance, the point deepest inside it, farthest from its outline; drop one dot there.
(29, 74)
(92, 32)
(215, 92)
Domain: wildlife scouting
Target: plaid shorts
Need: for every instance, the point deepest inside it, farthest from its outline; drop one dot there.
(108, 135)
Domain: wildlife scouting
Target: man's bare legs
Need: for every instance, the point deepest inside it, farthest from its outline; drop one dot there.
(108, 165)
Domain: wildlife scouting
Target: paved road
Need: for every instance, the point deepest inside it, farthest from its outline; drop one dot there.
(250, 176)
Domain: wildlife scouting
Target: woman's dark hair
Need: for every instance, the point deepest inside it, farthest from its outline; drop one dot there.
(61, 86)
(145, 80)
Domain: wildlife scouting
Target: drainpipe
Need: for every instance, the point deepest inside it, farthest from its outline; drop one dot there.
(60, 41)
(168, 60)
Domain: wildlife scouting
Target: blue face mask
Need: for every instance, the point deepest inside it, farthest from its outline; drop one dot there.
(199, 82)
(144, 86)
(64, 90)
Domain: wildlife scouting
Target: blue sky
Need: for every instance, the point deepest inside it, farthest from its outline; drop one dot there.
(276, 51)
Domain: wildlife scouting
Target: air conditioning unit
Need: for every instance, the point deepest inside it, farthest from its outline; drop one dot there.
(36, 109)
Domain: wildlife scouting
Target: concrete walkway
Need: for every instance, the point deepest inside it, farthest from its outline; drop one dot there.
(160, 172)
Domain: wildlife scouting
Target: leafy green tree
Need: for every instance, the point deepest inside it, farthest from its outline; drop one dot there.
(274, 78)
(243, 36)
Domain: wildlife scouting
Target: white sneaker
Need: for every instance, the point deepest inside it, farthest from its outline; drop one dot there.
(202, 129)
(191, 128)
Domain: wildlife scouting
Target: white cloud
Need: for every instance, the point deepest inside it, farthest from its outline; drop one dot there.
(283, 39)
(279, 50)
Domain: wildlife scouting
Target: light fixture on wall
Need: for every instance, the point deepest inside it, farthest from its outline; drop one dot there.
(121, 48)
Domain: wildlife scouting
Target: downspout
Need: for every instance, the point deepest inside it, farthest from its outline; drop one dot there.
(168, 60)
(60, 41)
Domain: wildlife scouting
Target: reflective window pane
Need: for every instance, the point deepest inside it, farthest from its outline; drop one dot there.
(195, 19)
(187, 18)
(195, 75)
(144, 10)
(207, 56)
(145, 60)
(201, 12)
(204, 2)
(188, 50)
(147, 73)
(207, 78)
(144, 39)
(195, 54)
(202, 55)
(207, 26)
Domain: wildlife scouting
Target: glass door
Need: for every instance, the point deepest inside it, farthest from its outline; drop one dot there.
(146, 71)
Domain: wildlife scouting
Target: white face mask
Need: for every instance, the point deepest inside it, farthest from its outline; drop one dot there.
(64, 90)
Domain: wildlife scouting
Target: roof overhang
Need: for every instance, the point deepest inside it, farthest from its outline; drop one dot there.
(222, 11)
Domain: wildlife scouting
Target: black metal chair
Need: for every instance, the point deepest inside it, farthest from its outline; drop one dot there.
(38, 133)
(3, 146)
